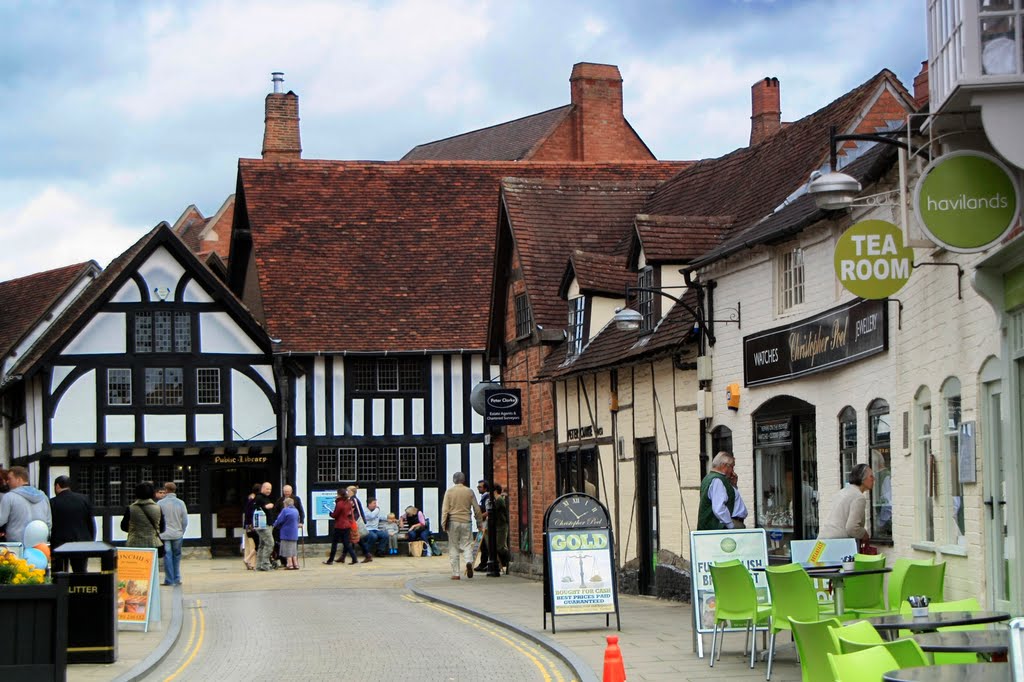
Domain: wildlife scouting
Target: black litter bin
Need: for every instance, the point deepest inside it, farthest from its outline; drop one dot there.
(92, 603)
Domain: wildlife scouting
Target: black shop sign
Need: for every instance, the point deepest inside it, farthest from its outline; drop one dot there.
(503, 407)
(844, 334)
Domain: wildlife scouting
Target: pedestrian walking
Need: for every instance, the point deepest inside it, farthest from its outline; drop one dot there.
(73, 521)
(457, 510)
(22, 504)
(343, 523)
(287, 492)
(175, 515)
(287, 525)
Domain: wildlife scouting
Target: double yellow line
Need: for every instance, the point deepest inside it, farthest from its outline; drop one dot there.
(540, 658)
(195, 638)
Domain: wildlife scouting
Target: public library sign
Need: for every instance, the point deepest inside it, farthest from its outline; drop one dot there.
(836, 337)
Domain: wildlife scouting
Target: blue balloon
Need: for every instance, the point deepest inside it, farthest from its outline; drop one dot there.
(36, 558)
(35, 532)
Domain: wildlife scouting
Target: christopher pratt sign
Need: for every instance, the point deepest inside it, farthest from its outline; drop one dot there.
(835, 337)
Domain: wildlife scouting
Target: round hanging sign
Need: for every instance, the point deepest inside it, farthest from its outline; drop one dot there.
(871, 260)
(966, 201)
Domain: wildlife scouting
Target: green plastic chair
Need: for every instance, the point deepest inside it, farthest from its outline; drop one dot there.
(813, 641)
(736, 600)
(860, 631)
(793, 596)
(862, 666)
(895, 595)
(926, 579)
(865, 594)
(969, 604)
(906, 652)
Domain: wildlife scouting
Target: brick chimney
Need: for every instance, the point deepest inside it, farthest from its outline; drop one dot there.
(921, 86)
(600, 126)
(766, 112)
(281, 125)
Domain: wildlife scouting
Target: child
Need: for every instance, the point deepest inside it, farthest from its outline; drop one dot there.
(391, 526)
(287, 523)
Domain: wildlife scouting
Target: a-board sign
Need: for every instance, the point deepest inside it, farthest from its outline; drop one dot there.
(138, 586)
(579, 565)
(749, 546)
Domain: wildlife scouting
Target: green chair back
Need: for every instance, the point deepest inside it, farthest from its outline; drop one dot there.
(735, 594)
(969, 604)
(906, 652)
(926, 579)
(866, 591)
(793, 596)
(860, 631)
(813, 641)
(896, 578)
(862, 666)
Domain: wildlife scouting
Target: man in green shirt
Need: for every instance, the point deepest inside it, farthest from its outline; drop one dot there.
(717, 495)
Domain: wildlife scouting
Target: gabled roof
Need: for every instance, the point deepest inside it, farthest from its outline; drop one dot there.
(24, 301)
(679, 239)
(751, 182)
(384, 256)
(510, 141)
(189, 227)
(597, 273)
(615, 347)
(548, 221)
(194, 230)
(114, 276)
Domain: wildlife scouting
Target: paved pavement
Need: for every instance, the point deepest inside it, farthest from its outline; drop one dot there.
(656, 637)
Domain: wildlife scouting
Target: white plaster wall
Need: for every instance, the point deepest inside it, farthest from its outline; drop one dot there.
(300, 406)
(418, 412)
(128, 293)
(161, 270)
(104, 333)
(218, 333)
(209, 427)
(195, 293)
(74, 419)
(476, 370)
(457, 395)
(252, 414)
(163, 428)
(397, 416)
(602, 310)
(377, 416)
(120, 428)
(437, 415)
(58, 375)
(941, 336)
(338, 387)
(319, 397)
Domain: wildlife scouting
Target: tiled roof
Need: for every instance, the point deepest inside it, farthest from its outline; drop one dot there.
(549, 221)
(613, 347)
(390, 256)
(118, 270)
(25, 300)
(598, 273)
(679, 239)
(511, 141)
(189, 228)
(751, 182)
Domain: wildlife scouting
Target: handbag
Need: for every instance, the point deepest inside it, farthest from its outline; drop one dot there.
(361, 526)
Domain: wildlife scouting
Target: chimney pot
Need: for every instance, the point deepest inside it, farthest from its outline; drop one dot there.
(766, 110)
(277, 77)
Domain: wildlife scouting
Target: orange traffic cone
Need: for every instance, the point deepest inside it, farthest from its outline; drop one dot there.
(614, 668)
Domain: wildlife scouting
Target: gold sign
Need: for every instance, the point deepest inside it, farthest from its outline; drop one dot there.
(241, 459)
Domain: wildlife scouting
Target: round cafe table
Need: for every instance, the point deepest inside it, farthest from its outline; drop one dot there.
(936, 619)
(837, 576)
(958, 672)
(971, 641)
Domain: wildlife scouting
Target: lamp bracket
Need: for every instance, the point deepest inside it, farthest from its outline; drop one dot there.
(734, 316)
(890, 198)
(959, 275)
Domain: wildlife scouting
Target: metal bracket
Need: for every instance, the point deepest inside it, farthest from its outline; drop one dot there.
(959, 275)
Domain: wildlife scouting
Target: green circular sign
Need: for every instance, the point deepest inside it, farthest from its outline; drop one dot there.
(728, 545)
(966, 201)
(871, 260)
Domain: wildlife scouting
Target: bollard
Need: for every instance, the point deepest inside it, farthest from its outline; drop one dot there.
(614, 668)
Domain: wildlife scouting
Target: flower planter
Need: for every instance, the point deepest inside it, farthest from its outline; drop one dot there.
(33, 632)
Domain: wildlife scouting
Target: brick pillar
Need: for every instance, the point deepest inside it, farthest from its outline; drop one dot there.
(766, 111)
(600, 127)
(281, 130)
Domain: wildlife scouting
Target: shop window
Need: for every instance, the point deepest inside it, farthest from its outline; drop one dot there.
(524, 516)
(847, 444)
(576, 330)
(924, 465)
(576, 472)
(113, 485)
(790, 280)
(879, 459)
(954, 502)
(524, 316)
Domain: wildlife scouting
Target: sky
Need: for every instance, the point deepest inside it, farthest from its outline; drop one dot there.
(117, 115)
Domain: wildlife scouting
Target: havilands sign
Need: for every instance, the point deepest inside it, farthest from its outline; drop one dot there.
(839, 336)
(871, 260)
(967, 201)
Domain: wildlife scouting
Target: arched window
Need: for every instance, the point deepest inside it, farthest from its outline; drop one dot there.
(954, 501)
(847, 444)
(879, 460)
(721, 439)
(924, 464)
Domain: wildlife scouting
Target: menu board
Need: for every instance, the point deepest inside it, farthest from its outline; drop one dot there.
(138, 588)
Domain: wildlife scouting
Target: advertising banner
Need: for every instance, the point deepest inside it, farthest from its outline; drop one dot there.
(138, 588)
(708, 546)
(581, 572)
(323, 504)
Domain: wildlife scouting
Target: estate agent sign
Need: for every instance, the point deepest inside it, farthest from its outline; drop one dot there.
(871, 260)
(503, 407)
(844, 334)
(967, 201)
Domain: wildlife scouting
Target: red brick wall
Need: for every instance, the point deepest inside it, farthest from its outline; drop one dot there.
(885, 109)
(765, 110)
(281, 129)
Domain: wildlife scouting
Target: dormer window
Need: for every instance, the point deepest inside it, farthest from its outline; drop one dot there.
(645, 299)
(576, 330)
